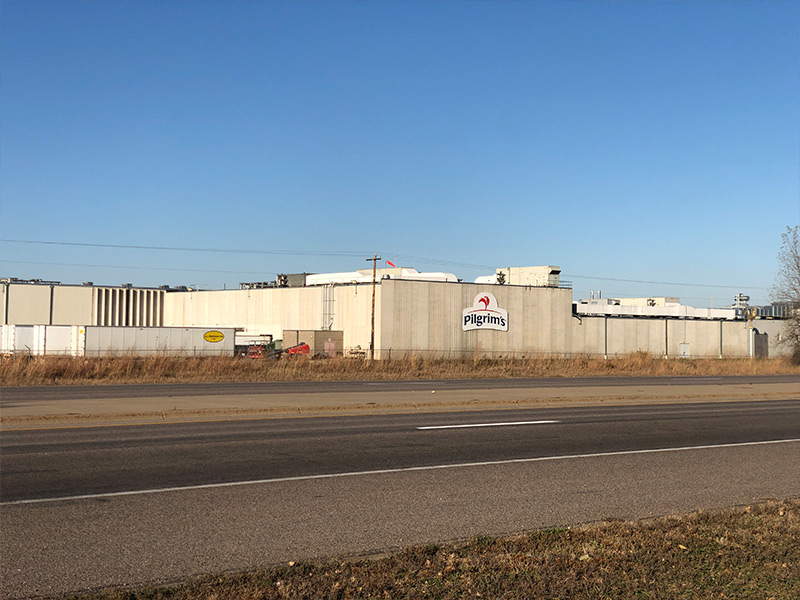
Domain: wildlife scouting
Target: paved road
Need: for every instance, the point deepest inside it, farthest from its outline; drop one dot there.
(248, 493)
(13, 395)
(47, 406)
(78, 461)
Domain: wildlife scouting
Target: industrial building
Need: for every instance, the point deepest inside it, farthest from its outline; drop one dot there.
(518, 311)
(37, 302)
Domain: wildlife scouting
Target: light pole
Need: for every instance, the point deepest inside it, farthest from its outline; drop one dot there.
(375, 258)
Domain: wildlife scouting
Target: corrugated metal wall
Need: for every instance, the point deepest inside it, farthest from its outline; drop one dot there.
(128, 307)
(168, 341)
(73, 340)
(36, 304)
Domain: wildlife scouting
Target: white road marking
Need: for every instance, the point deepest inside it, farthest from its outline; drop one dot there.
(209, 486)
(487, 425)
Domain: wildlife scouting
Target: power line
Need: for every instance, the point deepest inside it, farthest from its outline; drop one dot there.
(56, 264)
(344, 253)
(182, 249)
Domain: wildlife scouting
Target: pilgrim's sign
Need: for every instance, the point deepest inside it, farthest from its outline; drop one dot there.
(484, 314)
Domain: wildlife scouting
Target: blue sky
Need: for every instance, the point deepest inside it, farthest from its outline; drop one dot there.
(638, 145)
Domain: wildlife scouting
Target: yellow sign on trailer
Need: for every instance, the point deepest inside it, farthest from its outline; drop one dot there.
(213, 336)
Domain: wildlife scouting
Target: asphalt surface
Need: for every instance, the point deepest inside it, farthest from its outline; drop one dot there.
(9, 396)
(194, 498)
(70, 406)
(69, 462)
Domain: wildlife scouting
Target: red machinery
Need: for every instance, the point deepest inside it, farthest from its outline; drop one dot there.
(301, 348)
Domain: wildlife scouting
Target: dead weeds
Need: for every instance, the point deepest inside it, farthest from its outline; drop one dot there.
(738, 553)
(33, 370)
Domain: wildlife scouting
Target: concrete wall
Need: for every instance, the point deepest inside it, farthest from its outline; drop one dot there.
(618, 336)
(702, 338)
(614, 336)
(26, 304)
(735, 340)
(259, 311)
(72, 305)
(426, 318)
(353, 308)
(410, 316)
(775, 328)
(273, 310)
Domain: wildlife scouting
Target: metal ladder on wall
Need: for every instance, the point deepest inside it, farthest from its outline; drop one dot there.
(327, 307)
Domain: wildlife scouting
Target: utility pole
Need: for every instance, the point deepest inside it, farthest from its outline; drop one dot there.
(375, 258)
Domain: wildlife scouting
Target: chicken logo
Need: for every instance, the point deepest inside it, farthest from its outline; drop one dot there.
(484, 314)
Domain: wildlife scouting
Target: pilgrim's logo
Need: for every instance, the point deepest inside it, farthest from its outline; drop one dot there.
(484, 314)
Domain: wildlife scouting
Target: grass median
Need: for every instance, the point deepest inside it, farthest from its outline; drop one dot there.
(33, 370)
(751, 552)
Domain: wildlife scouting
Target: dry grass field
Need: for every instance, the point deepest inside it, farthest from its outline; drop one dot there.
(738, 553)
(24, 370)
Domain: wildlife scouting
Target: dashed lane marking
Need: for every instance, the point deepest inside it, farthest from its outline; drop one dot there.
(467, 425)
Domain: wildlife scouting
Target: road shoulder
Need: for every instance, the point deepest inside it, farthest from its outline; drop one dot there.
(44, 412)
